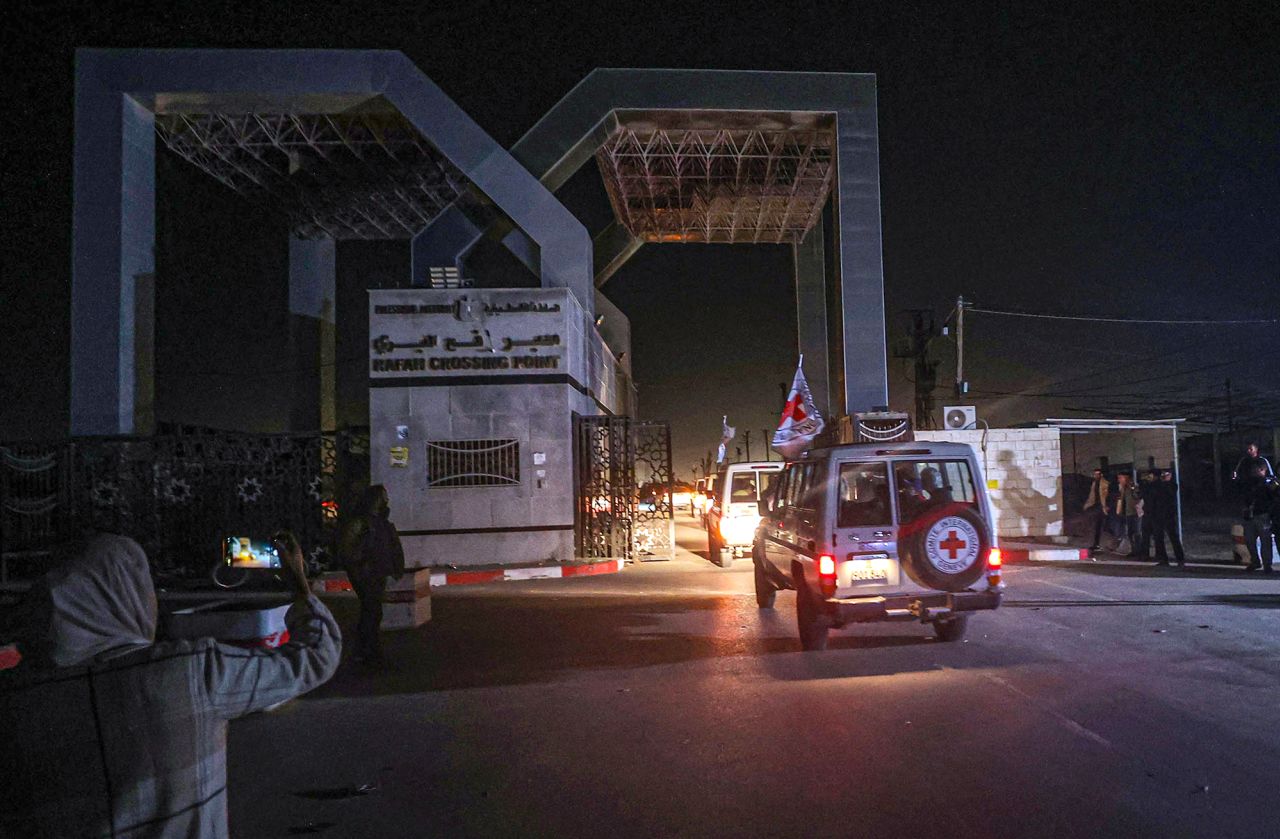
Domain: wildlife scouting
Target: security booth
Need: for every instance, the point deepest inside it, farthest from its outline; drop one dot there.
(1124, 445)
(472, 395)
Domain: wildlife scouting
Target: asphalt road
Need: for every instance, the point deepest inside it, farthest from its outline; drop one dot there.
(1102, 700)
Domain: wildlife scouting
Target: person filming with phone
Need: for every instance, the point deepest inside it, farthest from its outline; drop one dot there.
(108, 732)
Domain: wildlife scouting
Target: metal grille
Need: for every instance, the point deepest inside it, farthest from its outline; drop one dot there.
(623, 503)
(473, 463)
(447, 277)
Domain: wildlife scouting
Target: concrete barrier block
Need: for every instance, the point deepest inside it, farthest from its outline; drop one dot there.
(406, 615)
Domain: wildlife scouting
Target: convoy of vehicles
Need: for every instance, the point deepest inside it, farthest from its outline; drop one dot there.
(704, 491)
(878, 532)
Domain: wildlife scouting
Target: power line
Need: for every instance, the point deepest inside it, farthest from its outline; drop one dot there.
(1099, 319)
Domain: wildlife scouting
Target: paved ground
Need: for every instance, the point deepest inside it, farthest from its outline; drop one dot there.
(1104, 700)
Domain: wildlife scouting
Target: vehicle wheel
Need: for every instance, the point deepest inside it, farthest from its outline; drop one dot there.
(766, 593)
(952, 628)
(812, 625)
(946, 551)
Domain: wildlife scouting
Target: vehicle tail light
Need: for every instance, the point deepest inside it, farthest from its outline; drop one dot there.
(827, 575)
(995, 563)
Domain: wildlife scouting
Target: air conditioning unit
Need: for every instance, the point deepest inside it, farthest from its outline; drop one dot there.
(960, 417)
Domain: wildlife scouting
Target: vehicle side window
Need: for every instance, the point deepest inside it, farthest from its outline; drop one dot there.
(768, 482)
(864, 495)
(924, 486)
(814, 485)
(799, 477)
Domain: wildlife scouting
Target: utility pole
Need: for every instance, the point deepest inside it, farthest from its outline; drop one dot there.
(915, 347)
(746, 439)
(1231, 420)
(961, 386)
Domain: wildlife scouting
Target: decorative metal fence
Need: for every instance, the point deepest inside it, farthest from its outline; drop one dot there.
(176, 494)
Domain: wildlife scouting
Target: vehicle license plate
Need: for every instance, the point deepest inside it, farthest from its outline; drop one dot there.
(868, 571)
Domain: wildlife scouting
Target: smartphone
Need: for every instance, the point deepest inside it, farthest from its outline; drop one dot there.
(245, 552)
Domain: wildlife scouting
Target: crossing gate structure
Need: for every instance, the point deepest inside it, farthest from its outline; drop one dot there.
(623, 489)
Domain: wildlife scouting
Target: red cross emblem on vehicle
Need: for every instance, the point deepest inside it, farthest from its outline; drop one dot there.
(953, 544)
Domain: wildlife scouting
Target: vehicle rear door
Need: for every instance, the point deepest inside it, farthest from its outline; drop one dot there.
(864, 537)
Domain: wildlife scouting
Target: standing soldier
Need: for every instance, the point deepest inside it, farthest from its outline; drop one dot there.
(1095, 506)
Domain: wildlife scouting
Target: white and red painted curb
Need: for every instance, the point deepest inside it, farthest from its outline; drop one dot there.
(336, 582)
(540, 572)
(1014, 552)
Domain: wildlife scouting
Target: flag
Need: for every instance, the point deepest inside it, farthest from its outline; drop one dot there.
(801, 423)
(726, 434)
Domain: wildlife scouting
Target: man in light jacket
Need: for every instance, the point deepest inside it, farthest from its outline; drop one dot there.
(108, 733)
(1095, 505)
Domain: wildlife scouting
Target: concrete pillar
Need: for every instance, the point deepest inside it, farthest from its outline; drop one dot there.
(312, 356)
(858, 258)
(811, 315)
(112, 265)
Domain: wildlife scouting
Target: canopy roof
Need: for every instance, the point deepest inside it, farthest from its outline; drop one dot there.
(718, 176)
(362, 175)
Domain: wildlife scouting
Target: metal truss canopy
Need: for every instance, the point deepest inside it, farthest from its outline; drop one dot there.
(726, 184)
(346, 176)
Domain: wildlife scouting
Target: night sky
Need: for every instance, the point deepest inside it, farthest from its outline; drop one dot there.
(1061, 159)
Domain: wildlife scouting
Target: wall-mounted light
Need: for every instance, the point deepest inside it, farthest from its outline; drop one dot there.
(599, 320)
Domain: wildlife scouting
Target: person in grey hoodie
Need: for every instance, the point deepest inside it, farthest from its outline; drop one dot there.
(107, 732)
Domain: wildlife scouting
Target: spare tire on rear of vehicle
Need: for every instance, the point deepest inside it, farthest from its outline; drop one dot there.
(946, 550)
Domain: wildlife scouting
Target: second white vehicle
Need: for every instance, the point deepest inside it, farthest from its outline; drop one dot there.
(733, 512)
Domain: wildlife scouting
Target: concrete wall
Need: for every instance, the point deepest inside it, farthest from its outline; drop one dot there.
(1025, 465)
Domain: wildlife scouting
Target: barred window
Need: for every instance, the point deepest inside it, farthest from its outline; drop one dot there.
(473, 463)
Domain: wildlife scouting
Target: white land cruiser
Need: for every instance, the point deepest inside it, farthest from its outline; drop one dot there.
(733, 511)
(875, 532)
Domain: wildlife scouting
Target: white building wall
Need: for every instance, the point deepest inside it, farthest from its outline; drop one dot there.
(1023, 470)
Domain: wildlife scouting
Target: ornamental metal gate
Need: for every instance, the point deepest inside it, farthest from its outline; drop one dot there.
(623, 489)
(175, 493)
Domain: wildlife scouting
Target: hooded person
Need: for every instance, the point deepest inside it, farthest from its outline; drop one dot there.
(369, 549)
(107, 732)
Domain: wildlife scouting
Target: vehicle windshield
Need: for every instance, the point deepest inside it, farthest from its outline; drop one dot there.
(750, 486)
(927, 485)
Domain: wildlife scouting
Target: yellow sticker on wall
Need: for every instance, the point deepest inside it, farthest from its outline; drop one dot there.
(993, 483)
(400, 456)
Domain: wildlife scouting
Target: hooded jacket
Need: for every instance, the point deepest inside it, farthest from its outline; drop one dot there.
(107, 733)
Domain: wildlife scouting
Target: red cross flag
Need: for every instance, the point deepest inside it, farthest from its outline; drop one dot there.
(801, 423)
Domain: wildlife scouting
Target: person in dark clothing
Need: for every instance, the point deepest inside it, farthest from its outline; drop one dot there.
(1095, 506)
(1162, 512)
(1259, 501)
(1148, 488)
(370, 552)
(1246, 470)
(107, 731)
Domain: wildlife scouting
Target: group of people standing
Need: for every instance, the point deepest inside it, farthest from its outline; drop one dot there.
(1138, 515)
